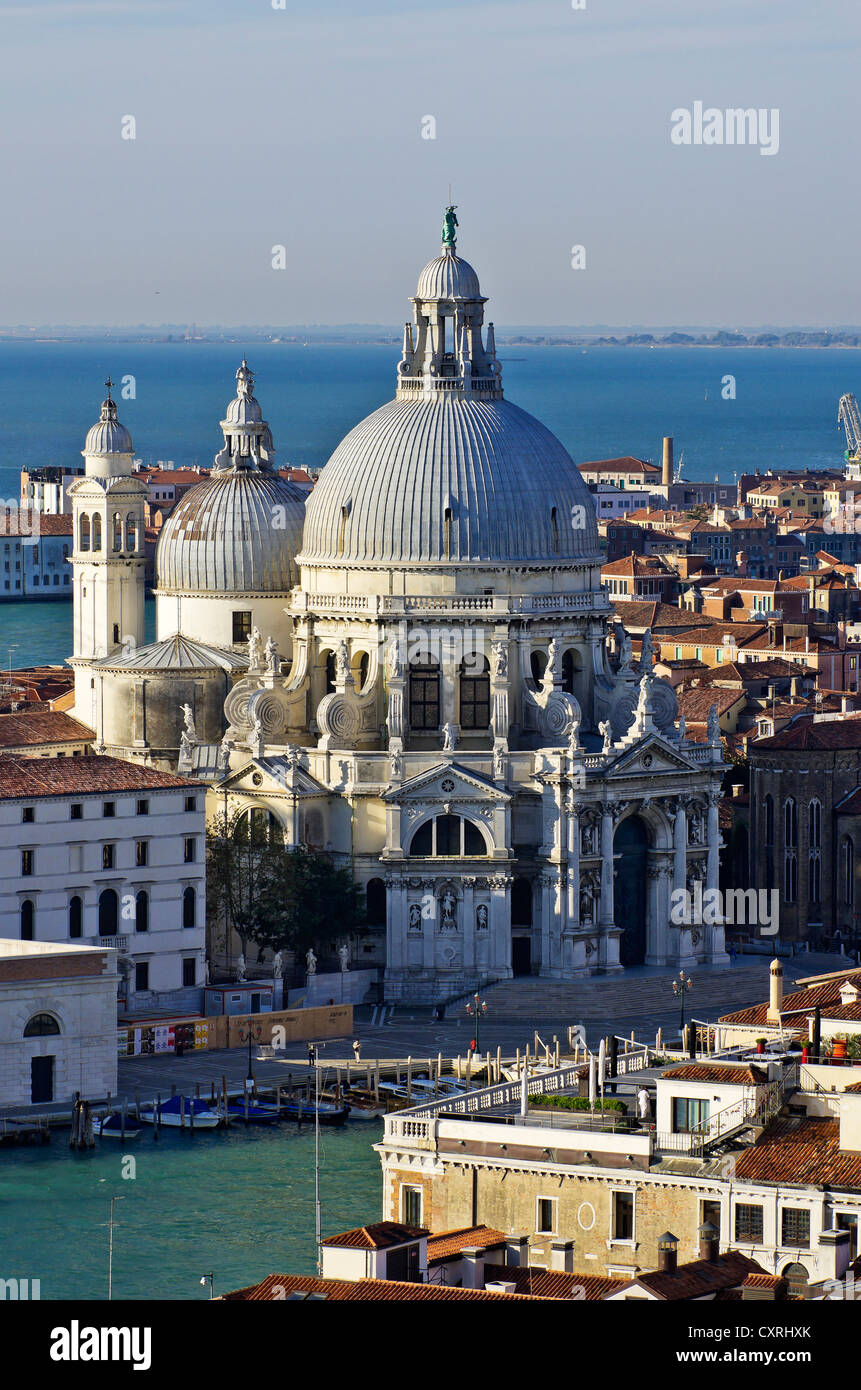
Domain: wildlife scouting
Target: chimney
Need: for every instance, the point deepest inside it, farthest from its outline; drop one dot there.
(472, 1266)
(836, 1254)
(709, 1242)
(517, 1249)
(775, 992)
(668, 1253)
(794, 687)
(667, 464)
(562, 1255)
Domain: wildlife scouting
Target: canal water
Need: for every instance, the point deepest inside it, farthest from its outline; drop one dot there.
(236, 1203)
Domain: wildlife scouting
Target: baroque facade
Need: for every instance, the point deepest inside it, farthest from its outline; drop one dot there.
(420, 675)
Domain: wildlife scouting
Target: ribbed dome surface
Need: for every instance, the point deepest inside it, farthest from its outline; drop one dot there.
(244, 410)
(226, 536)
(448, 277)
(508, 482)
(108, 436)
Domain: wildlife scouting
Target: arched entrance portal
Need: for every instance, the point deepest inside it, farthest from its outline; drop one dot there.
(630, 846)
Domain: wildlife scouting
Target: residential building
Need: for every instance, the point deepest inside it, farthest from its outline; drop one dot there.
(99, 851)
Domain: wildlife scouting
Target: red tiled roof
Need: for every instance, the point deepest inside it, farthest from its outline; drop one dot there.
(444, 1244)
(699, 1277)
(734, 1076)
(620, 465)
(652, 614)
(634, 566)
(803, 1153)
(41, 726)
(277, 1287)
(552, 1283)
(695, 703)
(34, 777)
(806, 735)
(34, 524)
(379, 1236)
(825, 994)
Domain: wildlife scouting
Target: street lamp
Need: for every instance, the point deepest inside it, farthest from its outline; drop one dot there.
(680, 989)
(255, 1033)
(475, 1010)
(207, 1279)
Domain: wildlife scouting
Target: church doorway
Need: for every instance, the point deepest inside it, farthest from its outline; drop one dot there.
(521, 926)
(521, 955)
(630, 896)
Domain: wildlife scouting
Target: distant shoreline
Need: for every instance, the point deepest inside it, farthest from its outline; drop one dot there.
(788, 341)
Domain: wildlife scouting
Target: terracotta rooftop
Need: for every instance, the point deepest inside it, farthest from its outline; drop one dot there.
(654, 615)
(278, 1287)
(379, 1236)
(636, 566)
(713, 635)
(695, 704)
(445, 1244)
(699, 1277)
(807, 736)
(734, 1076)
(34, 524)
(34, 777)
(768, 668)
(41, 726)
(825, 994)
(620, 465)
(552, 1283)
(803, 1153)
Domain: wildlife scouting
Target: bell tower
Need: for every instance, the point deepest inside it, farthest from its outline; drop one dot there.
(108, 555)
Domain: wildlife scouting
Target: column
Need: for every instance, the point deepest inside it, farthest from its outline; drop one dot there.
(468, 923)
(606, 918)
(680, 846)
(713, 839)
(573, 912)
(500, 926)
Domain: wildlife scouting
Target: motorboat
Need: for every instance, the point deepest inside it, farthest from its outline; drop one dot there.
(258, 1112)
(329, 1112)
(110, 1126)
(176, 1113)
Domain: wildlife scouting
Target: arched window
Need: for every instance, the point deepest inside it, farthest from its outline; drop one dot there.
(76, 916)
(84, 532)
(131, 532)
(790, 850)
(142, 911)
(65, 552)
(263, 827)
(475, 694)
(28, 917)
(448, 837)
(814, 851)
(117, 542)
(189, 907)
(361, 663)
(424, 699)
(538, 665)
(847, 871)
(796, 1277)
(375, 901)
(108, 912)
(330, 672)
(97, 532)
(41, 1026)
(569, 668)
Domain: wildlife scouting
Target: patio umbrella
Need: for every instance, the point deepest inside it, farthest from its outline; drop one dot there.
(524, 1097)
(593, 1080)
(602, 1062)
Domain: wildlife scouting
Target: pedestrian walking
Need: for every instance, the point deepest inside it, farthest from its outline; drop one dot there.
(357, 1050)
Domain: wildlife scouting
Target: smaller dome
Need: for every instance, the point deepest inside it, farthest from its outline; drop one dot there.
(244, 410)
(448, 277)
(108, 436)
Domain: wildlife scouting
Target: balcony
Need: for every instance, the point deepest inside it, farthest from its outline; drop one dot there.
(118, 943)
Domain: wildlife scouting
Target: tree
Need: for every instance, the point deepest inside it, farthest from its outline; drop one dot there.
(308, 901)
(274, 895)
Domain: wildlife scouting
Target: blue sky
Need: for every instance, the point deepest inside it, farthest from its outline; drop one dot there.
(301, 127)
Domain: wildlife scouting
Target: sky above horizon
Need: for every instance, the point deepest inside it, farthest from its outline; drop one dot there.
(259, 127)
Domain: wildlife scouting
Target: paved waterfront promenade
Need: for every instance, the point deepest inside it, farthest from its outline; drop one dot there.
(641, 1001)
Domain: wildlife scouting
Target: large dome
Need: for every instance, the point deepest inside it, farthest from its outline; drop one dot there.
(108, 436)
(237, 532)
(449, 480)
(447, 276)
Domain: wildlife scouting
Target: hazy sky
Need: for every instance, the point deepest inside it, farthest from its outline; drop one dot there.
(302, 126)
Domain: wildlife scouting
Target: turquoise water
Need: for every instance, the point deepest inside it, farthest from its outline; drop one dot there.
(237, 1203)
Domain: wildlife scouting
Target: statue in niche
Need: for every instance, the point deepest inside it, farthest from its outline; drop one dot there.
(500, 654)
(415, 917)
(394, 658)
(498, 764)
(342, 661)
(449, 909)
(449, 737)
(310, 962)
(394, 763)
(271, 657)
(481, 917)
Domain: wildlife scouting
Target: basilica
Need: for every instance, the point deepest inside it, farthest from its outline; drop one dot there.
(416, 670)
